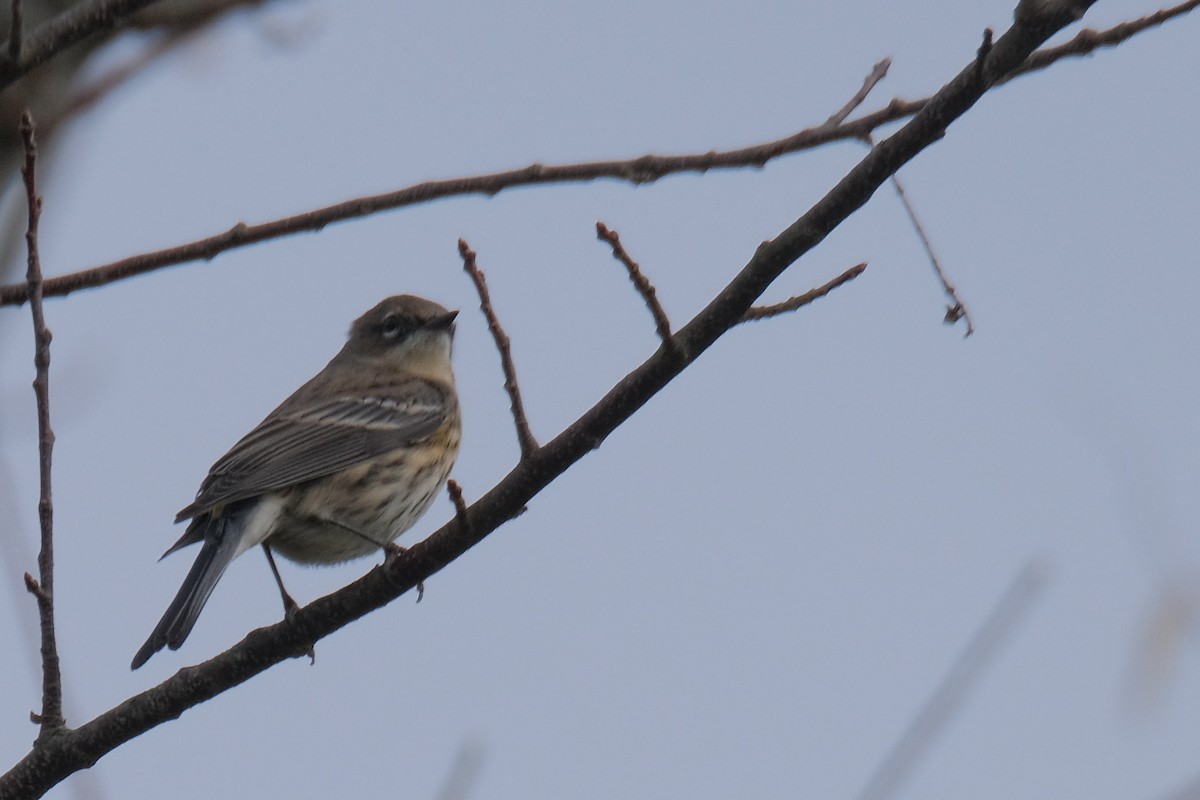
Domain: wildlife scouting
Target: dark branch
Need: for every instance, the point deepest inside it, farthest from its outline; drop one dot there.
(16, 33)
(643, 285)
(51, 718)
(51, 761)
(645, 169)
(801, 300)
(524, 434)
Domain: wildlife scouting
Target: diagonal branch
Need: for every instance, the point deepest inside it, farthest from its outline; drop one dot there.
(54, 759)
(645, 169)
(524, 435)
(963, 674)
(51, 717)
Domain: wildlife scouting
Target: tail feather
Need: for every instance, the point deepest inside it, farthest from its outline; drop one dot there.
(220, 548)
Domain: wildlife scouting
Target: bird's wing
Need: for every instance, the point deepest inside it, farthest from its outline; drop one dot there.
(298, 443)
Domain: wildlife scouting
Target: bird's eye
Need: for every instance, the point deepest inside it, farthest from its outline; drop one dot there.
(392, 327)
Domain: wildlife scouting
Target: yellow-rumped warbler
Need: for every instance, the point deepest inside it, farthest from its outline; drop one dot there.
(345, 465)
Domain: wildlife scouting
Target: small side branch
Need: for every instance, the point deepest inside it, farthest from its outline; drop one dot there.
(956, 309)
(643, 285)
(460, 505)
(801, 300)
(51, 718)
(878, 73)
(524, 435)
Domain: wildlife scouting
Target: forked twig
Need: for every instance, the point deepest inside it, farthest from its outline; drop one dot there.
(643, 285)
(524, 435)
(51, 716)
(801, 300)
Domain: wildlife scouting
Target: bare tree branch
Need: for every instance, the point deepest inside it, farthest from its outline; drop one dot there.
(799, 301)
(524, 434)
(640, 282)
(59, 756)
(51, 716)
(645, 169)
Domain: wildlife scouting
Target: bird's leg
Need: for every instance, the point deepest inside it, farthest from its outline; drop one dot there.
(290, 607)
(391, 550)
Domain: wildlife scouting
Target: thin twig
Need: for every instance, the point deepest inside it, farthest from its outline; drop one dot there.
(964, 673)
(801, 300)
(16, 30)
(524, 435)
(878, 73)
(51, 718)
(643, 285)
(956, 309)
(645, 169)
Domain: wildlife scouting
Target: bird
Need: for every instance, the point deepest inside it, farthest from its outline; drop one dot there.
(351, 460)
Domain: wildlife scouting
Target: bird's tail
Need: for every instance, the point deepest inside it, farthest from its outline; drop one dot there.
(220, 548)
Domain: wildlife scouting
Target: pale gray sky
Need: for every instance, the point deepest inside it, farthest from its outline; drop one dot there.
(752, 587)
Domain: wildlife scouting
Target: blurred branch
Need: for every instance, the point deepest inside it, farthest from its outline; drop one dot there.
(16, 33)
(645, 169)
(51, 717)
(57, 757)
(950, 694)
(106, 84)
(524, 434)
(68, 28)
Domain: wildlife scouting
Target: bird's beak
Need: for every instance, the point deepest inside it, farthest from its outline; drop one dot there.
(441, 323)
